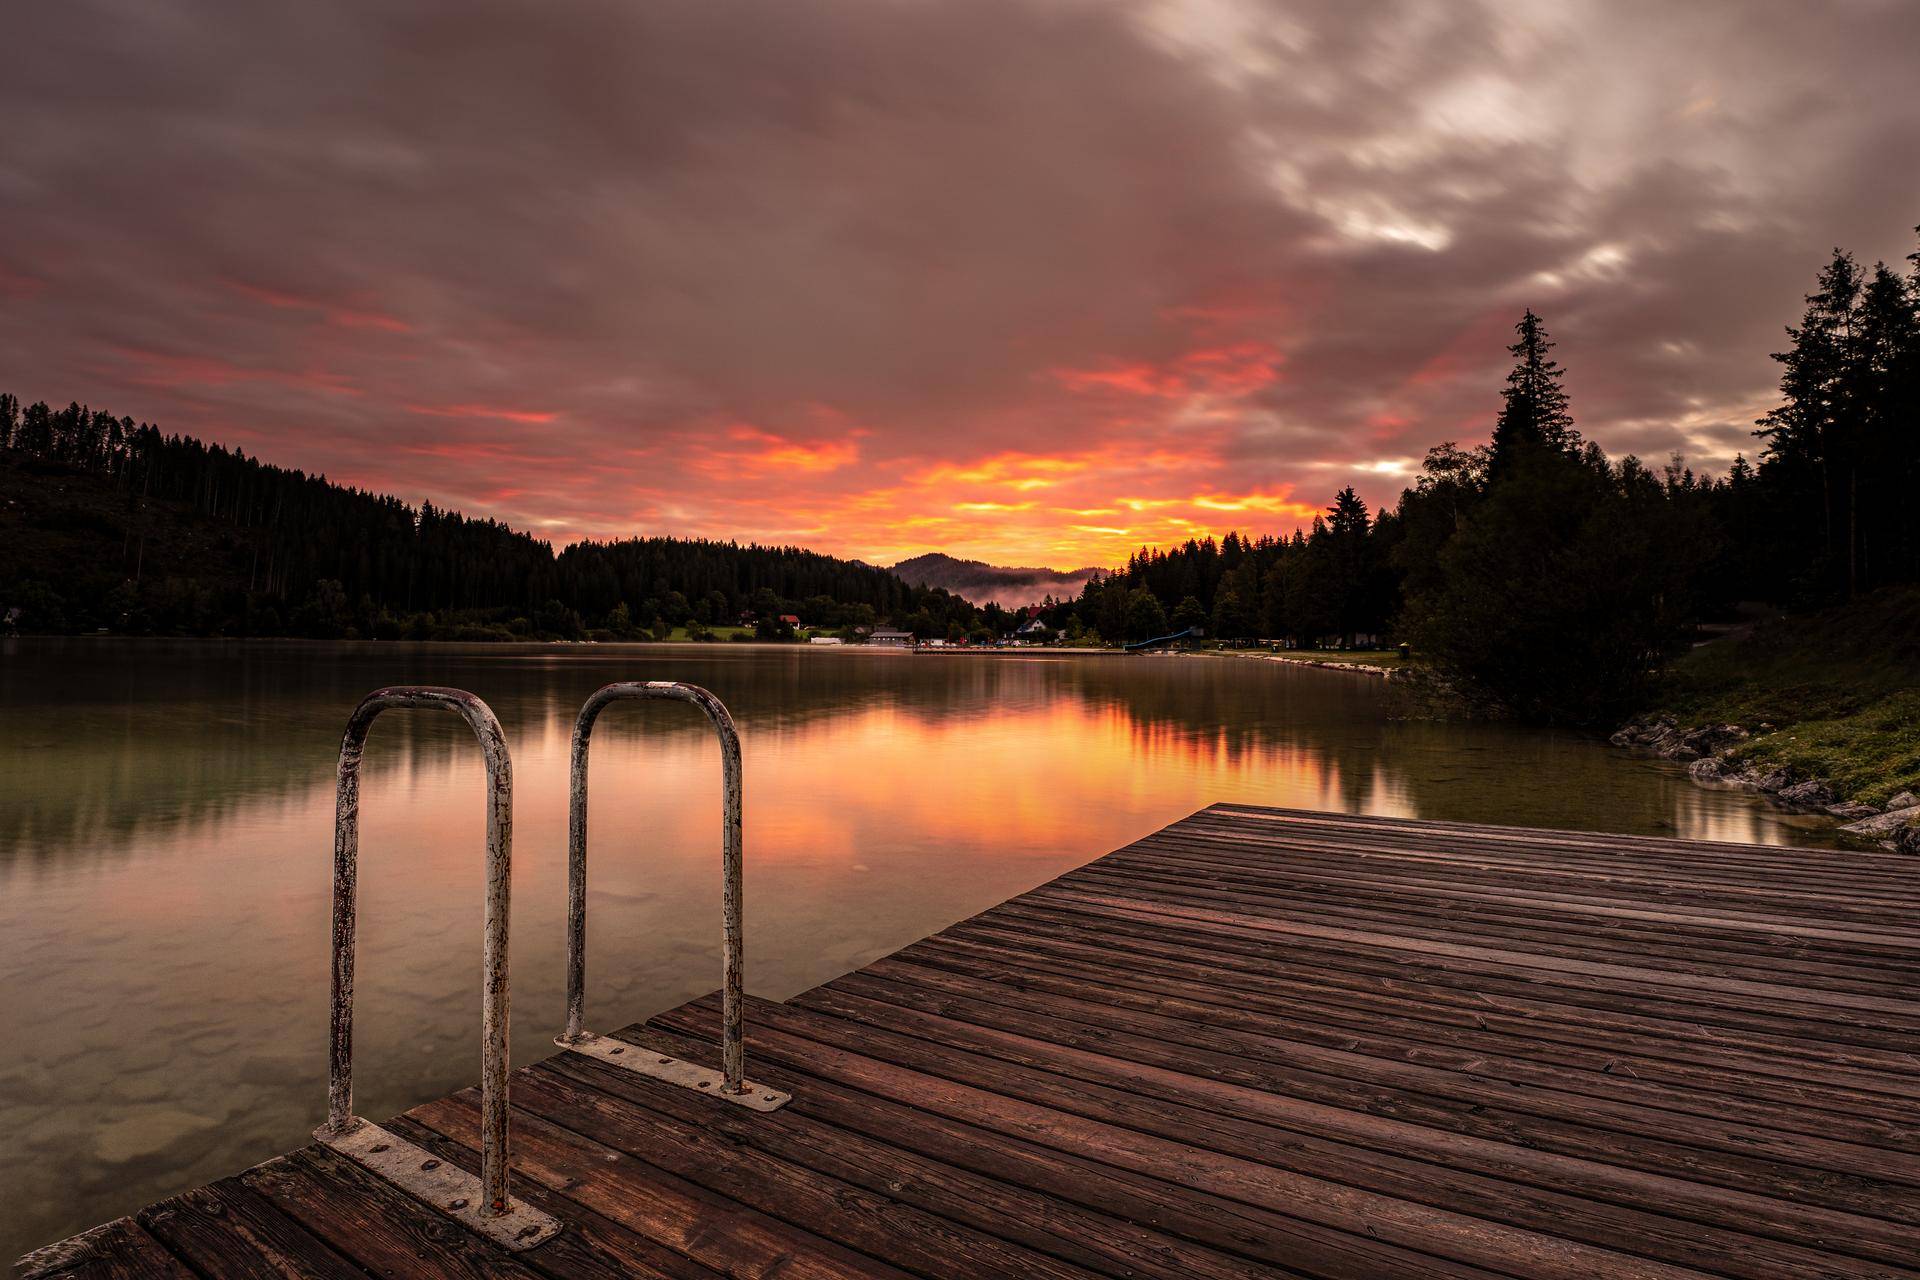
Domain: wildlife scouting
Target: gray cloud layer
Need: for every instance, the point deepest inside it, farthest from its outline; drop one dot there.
(461, 248)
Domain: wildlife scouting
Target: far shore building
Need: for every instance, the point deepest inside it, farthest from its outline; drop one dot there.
(888, 638)
(823, 640)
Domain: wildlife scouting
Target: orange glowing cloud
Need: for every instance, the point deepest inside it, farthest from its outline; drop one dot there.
(1233, 369)
(1056, 510)
(1020, 471)
(750, 451)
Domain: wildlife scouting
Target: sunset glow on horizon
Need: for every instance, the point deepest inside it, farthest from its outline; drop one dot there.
(1035, 282)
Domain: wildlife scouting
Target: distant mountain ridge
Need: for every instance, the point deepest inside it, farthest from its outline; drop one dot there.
(984, 583)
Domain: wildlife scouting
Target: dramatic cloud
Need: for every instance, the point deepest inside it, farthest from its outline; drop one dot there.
(1024, 281)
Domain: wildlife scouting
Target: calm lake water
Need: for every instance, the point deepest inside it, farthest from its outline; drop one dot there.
(166, 837)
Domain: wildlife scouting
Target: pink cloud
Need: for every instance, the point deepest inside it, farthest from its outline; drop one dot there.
(341, 316)
(171, 372)
(495, 412)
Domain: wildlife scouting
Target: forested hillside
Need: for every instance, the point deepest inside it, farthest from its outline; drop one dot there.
(109, 524)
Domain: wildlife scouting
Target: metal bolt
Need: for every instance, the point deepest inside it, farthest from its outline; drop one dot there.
(461, 1203)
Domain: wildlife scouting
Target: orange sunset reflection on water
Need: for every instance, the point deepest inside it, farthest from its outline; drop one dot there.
(166, 824)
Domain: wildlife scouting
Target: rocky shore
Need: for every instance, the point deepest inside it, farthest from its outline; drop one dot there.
(1713, 756)
(1365, 668)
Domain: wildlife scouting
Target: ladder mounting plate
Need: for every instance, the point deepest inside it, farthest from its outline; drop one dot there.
(654, 1065)
(447, 1187)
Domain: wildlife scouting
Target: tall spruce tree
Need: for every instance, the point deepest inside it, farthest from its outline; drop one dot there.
(1533, 406)
(1808, 434)
(1885, 386)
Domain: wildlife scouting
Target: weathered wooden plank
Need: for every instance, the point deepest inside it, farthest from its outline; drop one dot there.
(1152, 1208)
(1900, 1015)
(1531, 900)
(1342, 1102)
(1368, 1150)
(876, 1223)
(1173, 1014)
(1828, 881)
(1656, 850)
(117, 1250)
(1318, 959)
(1488, 853)
(590, 1246)
(1517, 953)
(1462, 926)
(1512, 1050)
(1357, 1223)
(372, 1222)
(1302, 974)
(730, 1237)
(1165, 1139)
(995, 1206)
(227, 1231)
(1799, 879)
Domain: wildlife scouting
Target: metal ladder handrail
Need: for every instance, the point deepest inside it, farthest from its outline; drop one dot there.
(518, 1226)
(734, 1085)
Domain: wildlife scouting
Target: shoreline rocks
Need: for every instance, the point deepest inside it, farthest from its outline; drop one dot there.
(1667, 739)
(1365, 668)
(1811, 794)
(1898, 829)
(1704, 748)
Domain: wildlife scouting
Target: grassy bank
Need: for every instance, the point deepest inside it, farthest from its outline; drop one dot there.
(679, 635)
(1833, 696)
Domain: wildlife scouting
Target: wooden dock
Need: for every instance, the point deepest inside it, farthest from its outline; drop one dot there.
(1256, 1043)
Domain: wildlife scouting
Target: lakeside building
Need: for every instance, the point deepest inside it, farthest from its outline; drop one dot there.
(891, 639)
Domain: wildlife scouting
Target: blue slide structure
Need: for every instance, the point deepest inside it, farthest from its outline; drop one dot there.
(1192, 633)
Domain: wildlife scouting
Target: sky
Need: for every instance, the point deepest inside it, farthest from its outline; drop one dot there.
(1029, 281)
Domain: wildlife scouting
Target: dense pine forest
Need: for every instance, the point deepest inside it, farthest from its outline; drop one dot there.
(112, 525)
(1552, 582)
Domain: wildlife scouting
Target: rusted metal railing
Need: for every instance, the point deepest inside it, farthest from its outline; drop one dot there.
(733, 1084)
(484, 1205)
